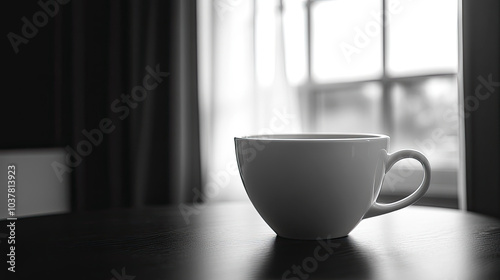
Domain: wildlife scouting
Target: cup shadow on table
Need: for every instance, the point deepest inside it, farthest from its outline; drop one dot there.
(298, 259)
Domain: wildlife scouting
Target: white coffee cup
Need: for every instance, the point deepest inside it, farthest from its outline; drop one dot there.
(310, 186)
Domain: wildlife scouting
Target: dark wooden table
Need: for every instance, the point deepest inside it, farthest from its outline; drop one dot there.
(231, 241)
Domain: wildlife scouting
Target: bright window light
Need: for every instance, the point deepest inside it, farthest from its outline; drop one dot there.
(422, 37)
(346, 40)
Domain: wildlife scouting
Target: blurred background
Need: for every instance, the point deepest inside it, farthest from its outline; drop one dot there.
(133, 103)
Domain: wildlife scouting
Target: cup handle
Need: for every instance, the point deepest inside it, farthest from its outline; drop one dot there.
(390, 159)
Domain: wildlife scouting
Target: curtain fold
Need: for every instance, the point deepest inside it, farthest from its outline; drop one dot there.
(128, 87)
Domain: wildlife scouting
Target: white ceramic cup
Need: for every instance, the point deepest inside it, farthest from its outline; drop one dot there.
(310, 186)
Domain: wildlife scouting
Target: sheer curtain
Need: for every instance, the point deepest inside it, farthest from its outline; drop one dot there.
(244, 88)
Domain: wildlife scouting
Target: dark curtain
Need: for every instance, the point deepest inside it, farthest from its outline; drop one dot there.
(481, 73)
(126, 93)
(27, 105)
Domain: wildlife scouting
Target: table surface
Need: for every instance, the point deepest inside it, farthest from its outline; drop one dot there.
(231, 241)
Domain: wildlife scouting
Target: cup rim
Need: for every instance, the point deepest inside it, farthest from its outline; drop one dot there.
(315, 137)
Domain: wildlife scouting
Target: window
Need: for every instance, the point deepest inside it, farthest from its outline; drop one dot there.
(385, 67)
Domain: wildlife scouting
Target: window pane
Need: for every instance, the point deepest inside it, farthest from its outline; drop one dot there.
(426, 119)
(346, 40)
(422, 37)
(356, 108)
